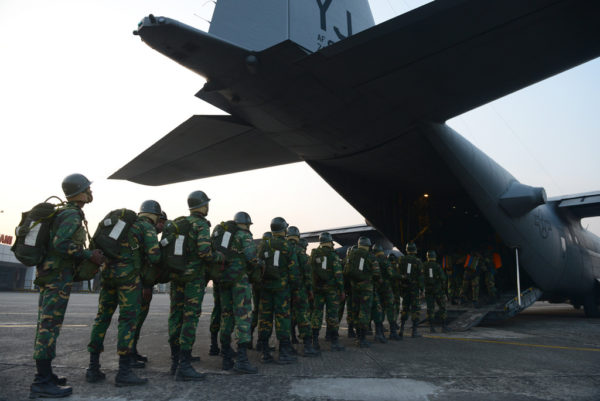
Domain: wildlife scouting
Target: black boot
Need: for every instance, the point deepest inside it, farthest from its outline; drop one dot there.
(379, 336)
(431, 328)
(214, 345)
(414, 330)
(315, 340)
(335, 341)
(227, 356)
(285, 357)
(93, 373)
(174, 359)
(266, 351)
(185, 371)
(242, 365)
(445, 327)
(43, 385)
(125, 376)
(309, 350)
(137, 356)
(401, 332)
(351, 332)
(362, 341)
(393, 332)
(58, 380)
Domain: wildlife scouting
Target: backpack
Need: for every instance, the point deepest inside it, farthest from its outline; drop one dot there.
(113, 230)
(222, 239)
(33, 232)
(321, 264)
(359, 265)
(273, 258)
(175, 246)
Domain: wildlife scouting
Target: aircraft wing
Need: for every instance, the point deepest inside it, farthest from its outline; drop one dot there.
(345, 235)
(581, 205)
(205, 146)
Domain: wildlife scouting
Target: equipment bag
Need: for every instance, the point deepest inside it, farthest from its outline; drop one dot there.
(322, 264)
(113, 230)
(175, 245)
(359, 265)
(222, 239)
(33, 232)
(274, 259)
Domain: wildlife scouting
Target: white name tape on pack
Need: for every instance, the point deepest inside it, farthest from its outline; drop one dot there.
(276, 259)
(430, 272)
(117, 229)
(31, 237)
(361, 264)
(408, 268)
(179, 245)
(225, 240)
(324, 263)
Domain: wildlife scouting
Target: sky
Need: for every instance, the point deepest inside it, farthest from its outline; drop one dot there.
(80, 93)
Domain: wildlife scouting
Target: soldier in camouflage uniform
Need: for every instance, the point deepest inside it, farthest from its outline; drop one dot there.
(454, 272)
(256, 286)
(55, 278)
(489, 275)
(362, 270)
(412, 282)
(395, 269)
(384, 291)
(215, 321)
(149, 275)
(328, 284)
(234, 288)
(435, 282)
(348, 299)
(470, 283)
(279, 278)
(303, 295)
(122, 286)
(187, 290)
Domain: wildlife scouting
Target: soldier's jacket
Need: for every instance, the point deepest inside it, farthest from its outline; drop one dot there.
(140, 248)
(364, 286)
(288, 274)
(242, 257)
(385, 267)
(199, 236)
(411, 272)
(334, 266)
(435, 278)
(67, 241)
(303, 267)
(394, 270)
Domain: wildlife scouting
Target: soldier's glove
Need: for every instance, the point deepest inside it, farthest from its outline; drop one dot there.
(147, 294)
(97, 257)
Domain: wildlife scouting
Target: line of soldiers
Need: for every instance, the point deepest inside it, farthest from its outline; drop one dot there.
(285, 285)
(464, 273)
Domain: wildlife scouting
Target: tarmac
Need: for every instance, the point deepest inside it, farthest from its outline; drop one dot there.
(548, 352)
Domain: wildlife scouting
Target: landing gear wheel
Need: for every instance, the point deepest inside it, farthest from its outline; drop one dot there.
(590, 305)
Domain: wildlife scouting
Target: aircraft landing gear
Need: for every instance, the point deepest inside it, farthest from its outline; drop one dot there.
(590, 304)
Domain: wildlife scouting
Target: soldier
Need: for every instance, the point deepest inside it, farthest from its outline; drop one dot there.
(435, 282)
(122, 286)
(384, 291)
(215, 321)
(470, 283)
(454, 272)
(149, 274)
(489, 275)
(348, 300)
(256, 287)
(329, 290)
(303, 295)
(362, 270)
(412, 281)
(55, 278)
(280, 276)
(234, 289)
(395, 269)
(187, 290)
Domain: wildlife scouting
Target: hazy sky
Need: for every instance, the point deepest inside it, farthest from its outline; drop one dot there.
(80, 93)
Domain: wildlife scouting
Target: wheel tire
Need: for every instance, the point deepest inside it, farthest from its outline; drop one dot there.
(590, 305)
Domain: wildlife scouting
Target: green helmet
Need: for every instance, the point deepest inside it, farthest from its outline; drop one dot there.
(431, 255)
(242, 218)
(325, 237)
(303, 243)
(364, 241)
(278, 224)
(75, 184)
(267, 235)
(197, 199)
(293, 231)
(411, 247)
(377, 248)
(392, 257)
(150, 206)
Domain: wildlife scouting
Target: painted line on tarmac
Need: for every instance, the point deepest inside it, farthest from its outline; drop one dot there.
(5, 326)
(513, 343)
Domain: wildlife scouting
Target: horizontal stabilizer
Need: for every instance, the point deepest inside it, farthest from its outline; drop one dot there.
(581, 205)
(205, 146)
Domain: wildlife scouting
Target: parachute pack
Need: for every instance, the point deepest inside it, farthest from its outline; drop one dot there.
(321, 264)
(33, 232)
(359, 266)
(113, 230)
(175, 247)
(273, 258)
(222, 239)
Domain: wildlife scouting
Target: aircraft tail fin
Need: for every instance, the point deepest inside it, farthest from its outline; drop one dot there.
(313, 24)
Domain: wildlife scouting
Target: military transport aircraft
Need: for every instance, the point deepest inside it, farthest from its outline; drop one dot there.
(365, 106)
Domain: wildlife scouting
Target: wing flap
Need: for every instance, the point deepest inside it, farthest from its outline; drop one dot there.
(582, 205)
(205, 146)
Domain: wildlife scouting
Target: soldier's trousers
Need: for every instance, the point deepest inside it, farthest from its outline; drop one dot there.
(470, 286)
(236, 311)
(186, 307)
(128, 298)
(329, 299)
(376, 308)
(255, 307)
(215, 316)
(396, 294)
(410, 305)
(144, 309)
(490, 284)
(438, 297)
(274, 305)
(454, 285)
(301, 313)
(362, 305)
(52, 305)
(386, 299)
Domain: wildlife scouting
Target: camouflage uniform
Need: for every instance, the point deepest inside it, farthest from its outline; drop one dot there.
(215, 316)
(454, 272)
(55, 277)
(470, 283)
(489, 275)
(411, 283)
(187, 293)
(435, 282)
(395, 284)
(301, 308)
(384, 289)
(121, 286)
(327, 287)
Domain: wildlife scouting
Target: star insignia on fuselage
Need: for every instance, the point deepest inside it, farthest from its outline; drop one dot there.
(543, 225)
